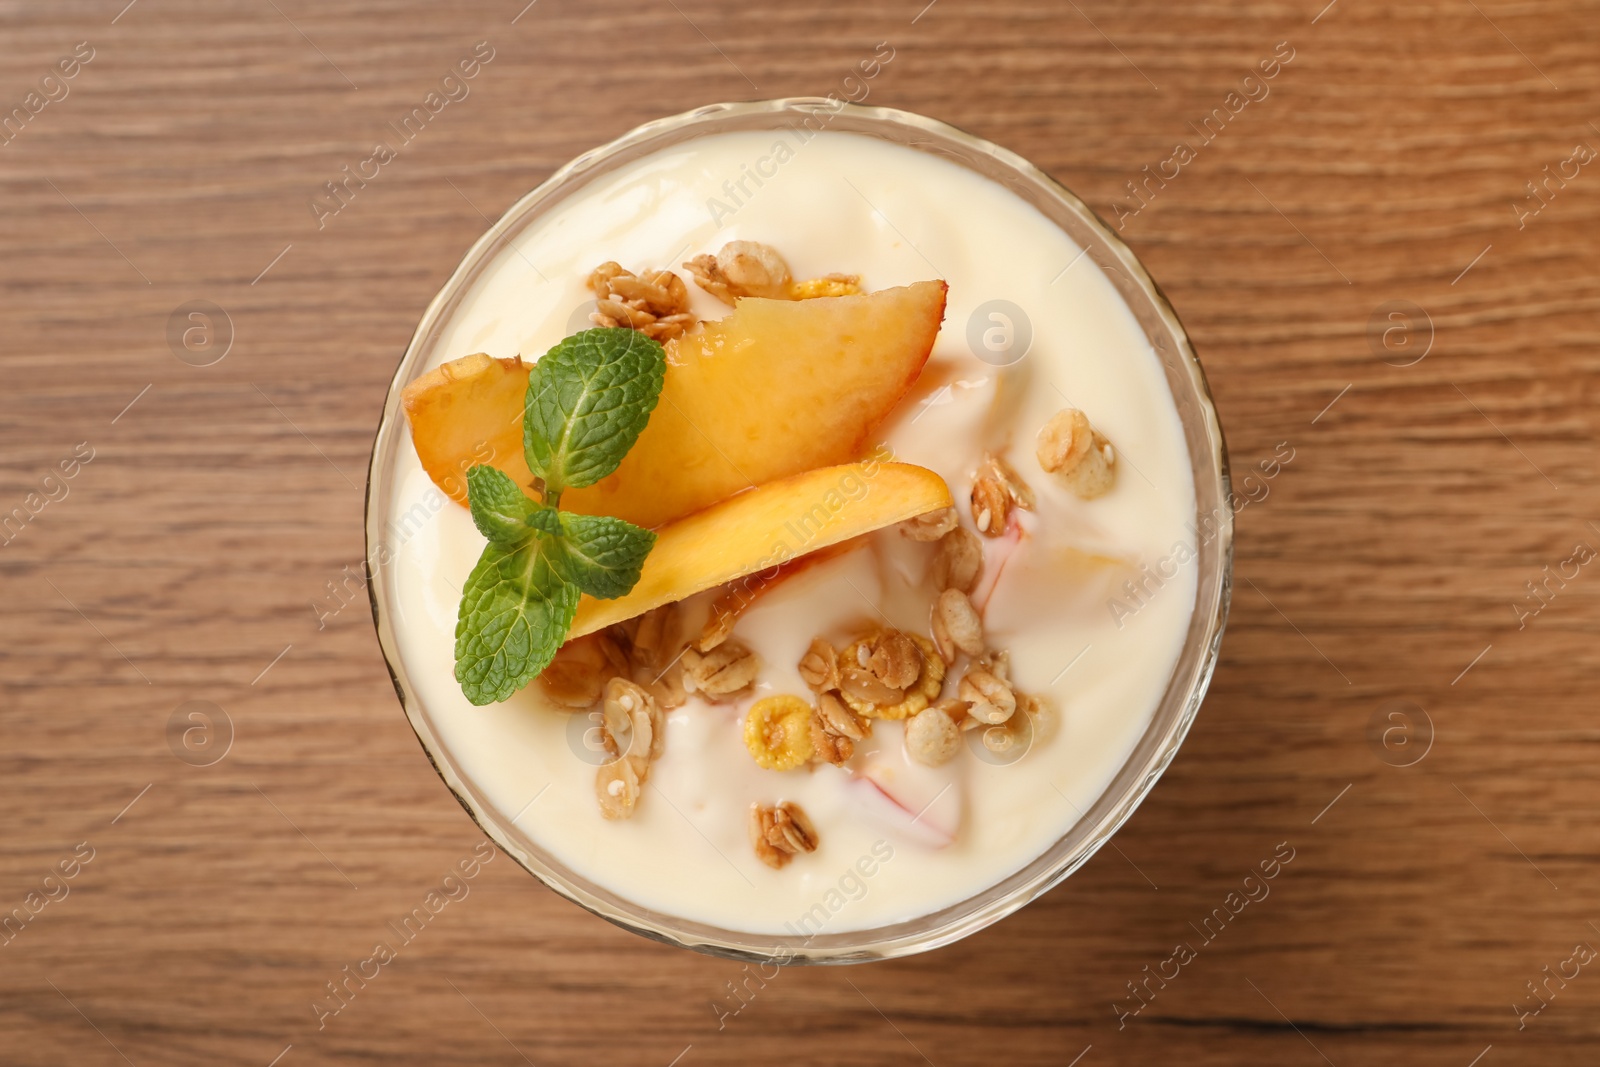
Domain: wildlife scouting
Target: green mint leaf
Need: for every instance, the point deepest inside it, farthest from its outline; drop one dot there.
(546, 520)
(515, 614)
(599, 554)
(588, 400)
(499, 507)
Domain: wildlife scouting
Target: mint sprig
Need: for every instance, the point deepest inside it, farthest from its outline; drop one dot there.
(588, 400)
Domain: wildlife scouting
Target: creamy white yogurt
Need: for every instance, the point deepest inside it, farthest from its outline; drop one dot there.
(840, 202)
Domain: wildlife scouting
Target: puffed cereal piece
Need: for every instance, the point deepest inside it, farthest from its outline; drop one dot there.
(777, 731)
(932, 737)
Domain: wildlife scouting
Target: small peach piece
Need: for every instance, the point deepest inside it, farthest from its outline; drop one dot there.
(910, 798)
(467, 412)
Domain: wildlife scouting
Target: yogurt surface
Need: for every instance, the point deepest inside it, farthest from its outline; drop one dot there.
(844, 203)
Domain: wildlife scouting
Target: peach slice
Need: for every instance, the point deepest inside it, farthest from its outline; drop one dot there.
(760, 530)
(775, 388)
(921, 804)
(466, 412)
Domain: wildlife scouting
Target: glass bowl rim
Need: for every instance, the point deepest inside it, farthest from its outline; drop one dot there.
(868, 944)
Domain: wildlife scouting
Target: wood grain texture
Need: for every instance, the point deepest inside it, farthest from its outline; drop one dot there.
(1384, 561)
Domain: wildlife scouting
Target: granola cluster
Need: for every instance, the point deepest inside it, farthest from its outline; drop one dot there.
(885, 674)
(985, 696)
(656, 302)
(748, 268)
(632, 674)
(889, 674)
(1074, 451)
(996, 490)
(780, 832)
(725, 673)
(632, 728)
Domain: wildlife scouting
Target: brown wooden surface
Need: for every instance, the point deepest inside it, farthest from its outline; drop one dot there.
(1389, 554)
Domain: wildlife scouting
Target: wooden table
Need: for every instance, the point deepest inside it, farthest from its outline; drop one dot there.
(1355, 254)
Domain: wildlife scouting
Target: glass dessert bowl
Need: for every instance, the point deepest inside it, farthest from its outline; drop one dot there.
(942, 532)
